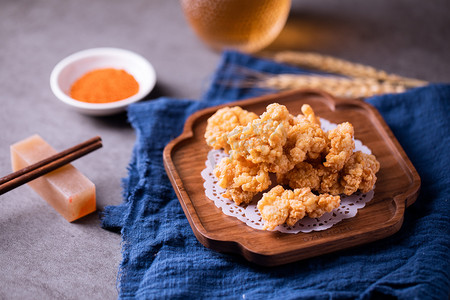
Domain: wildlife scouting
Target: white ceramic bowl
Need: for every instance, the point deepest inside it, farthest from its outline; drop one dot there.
(71, 68)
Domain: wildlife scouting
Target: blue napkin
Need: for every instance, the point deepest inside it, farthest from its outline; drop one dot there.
(163, 259)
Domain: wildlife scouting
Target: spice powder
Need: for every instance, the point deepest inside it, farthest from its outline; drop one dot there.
(104, 85)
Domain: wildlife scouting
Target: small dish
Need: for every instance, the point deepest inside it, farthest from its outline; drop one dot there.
(68, 70)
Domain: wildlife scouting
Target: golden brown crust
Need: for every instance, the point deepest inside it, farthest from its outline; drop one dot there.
(241, 178)
(263, 139)
(359, 173)
(341, 146)
(298, 151)
(279, 206)
(223, 122)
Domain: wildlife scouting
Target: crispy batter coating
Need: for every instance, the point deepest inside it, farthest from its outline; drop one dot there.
(341, 146)
(275, 209)
(313, 175)
(305, 140)
(359, 173)
(279, 206)
(303, 175)
(223, 122)
(329, 181)
(276, 112)
(298, 151)
(263, 139)
(309, 114)
(239, 196)
(241, 178)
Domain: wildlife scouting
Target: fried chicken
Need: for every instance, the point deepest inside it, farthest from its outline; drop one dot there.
(341, 146)
(263, 139)
(223, 122)
(305, 140)
(359, 173)
(295, 148)
(241, 178)
(309, 114)
(279, 206)
(302, 175)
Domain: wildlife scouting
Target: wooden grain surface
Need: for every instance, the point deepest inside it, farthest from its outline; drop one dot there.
(396, 188)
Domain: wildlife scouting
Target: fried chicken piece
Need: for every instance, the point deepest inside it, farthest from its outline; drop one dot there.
(303, 175)
(305, 140)
(263, 139)
(281, 165)
(329, 181)
(314, 176)
(276, 112)
(223, 122)
(359, 173)
(309, 114)
(275, 209)
(317, 205)
(341, 146)
(241, 178)
(239, 196)
(279, 206)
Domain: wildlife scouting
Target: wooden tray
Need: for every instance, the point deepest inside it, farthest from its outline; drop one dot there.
(396, 188)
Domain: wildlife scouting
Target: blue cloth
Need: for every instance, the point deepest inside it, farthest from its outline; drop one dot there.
(163, 259)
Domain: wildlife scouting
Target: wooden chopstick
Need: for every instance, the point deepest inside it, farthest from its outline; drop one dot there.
(47, 165)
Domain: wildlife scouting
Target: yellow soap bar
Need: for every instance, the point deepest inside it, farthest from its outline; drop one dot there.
(66, 189)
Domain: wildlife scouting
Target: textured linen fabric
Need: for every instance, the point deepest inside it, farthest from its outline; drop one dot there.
(163, 259)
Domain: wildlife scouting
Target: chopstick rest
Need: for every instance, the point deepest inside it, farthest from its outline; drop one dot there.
(51, 176)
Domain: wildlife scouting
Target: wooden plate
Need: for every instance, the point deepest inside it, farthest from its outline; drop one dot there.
(396, 188)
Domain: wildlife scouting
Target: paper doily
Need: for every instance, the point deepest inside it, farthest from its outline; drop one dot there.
(250, 215)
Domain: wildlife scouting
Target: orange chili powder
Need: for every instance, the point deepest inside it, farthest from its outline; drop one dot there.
(104, 85)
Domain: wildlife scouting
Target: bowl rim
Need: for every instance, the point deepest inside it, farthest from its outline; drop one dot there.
(144, 89)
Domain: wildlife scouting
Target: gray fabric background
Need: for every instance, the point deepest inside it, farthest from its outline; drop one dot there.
(44, 257)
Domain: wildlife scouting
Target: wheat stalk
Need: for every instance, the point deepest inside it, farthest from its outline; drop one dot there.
(343, 67)
(338, 86)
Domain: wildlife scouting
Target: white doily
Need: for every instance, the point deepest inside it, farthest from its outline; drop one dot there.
(250, 215)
